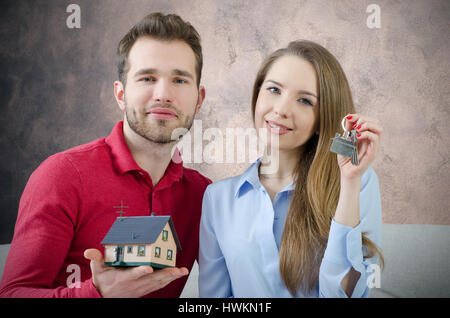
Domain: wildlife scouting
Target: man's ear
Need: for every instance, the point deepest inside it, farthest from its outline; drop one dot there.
(119, 94)
(201, 98)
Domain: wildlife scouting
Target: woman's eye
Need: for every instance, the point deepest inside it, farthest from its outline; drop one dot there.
(274, 90)
(305, 101)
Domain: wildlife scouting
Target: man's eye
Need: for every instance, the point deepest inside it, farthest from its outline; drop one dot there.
(180, 81)
(148, 79)
(305, 101)
(274, 90)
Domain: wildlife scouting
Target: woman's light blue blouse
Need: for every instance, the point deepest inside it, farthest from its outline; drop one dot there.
(240, 237)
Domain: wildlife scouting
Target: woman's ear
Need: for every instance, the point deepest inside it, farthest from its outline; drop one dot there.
(317, 128)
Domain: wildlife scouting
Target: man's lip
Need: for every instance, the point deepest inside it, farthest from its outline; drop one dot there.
(162, 111)
(278, 124)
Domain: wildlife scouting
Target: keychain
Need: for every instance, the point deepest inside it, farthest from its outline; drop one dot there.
(346, 145)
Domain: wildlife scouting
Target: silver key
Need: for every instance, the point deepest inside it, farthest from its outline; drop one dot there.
(355, 151)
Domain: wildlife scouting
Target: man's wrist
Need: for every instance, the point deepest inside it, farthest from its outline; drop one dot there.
(94, 290)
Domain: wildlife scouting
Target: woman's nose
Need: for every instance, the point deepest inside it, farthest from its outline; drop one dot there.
(282, 107)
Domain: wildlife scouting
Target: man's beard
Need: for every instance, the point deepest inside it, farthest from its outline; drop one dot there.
(161, 132)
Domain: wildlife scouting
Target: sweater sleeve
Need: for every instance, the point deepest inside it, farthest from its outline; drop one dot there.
(345, 250)
(43, 234)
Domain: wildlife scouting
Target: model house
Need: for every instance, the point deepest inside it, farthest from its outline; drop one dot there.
(142, 240)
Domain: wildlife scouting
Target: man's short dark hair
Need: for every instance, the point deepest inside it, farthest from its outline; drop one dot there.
(161, 27)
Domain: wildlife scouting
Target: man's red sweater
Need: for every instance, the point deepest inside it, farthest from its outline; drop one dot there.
(70, 202)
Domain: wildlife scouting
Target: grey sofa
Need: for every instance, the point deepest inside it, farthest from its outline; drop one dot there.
(417, 262)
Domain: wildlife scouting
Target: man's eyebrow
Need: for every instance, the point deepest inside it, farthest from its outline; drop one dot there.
(147, 71)
(182, 73)
(300, 91)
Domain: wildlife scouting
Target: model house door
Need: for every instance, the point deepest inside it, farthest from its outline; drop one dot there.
(119, 254)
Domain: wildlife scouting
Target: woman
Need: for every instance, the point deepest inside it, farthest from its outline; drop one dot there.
(304, 230)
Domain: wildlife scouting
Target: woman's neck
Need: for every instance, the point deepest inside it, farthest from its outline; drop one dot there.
(283, 165)
(276, 179)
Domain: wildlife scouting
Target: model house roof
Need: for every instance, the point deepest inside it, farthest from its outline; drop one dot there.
(139, 230)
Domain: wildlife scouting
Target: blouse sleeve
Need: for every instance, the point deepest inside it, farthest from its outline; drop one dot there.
(214, 280)
(345, 250)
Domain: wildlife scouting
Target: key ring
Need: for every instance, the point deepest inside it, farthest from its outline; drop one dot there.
(343, 123)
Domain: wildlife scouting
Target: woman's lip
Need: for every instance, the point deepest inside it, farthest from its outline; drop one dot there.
(276, 131)
(278, 124)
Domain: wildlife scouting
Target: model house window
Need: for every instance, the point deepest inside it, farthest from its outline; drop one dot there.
(141, 250)
(157, 252)
(130, 249)
(169, 255)
(165, 235)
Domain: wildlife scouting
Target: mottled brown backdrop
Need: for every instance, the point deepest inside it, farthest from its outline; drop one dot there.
(56, 85)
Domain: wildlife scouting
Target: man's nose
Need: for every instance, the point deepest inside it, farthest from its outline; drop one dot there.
(162, 92)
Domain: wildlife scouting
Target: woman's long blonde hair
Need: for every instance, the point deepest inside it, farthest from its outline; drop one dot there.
(316, 193)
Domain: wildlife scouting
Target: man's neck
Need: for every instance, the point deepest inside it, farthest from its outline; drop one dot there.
(150, 156)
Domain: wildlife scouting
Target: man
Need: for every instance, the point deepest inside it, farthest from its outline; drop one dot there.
(73, 197)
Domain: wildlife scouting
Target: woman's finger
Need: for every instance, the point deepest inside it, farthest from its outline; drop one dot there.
(372, 144)
(353, 121)
(368, 135)
(369, 126)
(362, 149)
